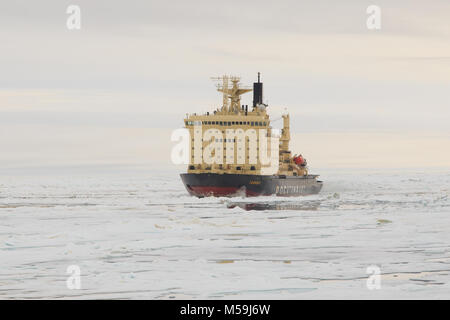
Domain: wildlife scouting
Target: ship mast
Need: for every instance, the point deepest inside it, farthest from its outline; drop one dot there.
(231, 91)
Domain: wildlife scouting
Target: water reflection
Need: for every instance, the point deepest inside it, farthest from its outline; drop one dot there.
(261, 206)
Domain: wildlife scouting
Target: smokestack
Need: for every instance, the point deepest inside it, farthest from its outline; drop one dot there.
(257, 92)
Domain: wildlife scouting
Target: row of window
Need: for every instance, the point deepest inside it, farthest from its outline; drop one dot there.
(226, 123)
(220, 167)
(226, 140)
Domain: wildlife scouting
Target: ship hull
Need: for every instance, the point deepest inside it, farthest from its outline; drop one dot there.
(229, 185)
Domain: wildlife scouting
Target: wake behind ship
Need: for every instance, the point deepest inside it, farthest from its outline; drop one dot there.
(235, 152)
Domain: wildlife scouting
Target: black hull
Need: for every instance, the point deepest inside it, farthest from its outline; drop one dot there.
(222, 185)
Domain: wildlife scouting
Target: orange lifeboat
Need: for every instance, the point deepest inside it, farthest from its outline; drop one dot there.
(299, 160)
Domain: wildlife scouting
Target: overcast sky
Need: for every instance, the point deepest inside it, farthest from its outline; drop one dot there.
(113, 91)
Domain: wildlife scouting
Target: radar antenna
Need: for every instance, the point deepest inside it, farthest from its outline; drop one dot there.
(231, 90)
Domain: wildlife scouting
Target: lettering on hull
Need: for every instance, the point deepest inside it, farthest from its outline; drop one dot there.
(286, 189)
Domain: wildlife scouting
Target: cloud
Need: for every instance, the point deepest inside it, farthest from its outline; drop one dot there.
(139, 64)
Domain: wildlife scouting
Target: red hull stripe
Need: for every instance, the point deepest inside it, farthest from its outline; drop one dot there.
(216, 191)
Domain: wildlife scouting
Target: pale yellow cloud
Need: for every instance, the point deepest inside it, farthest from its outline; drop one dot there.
(53, 145)
(374, 150)
(80, 97)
